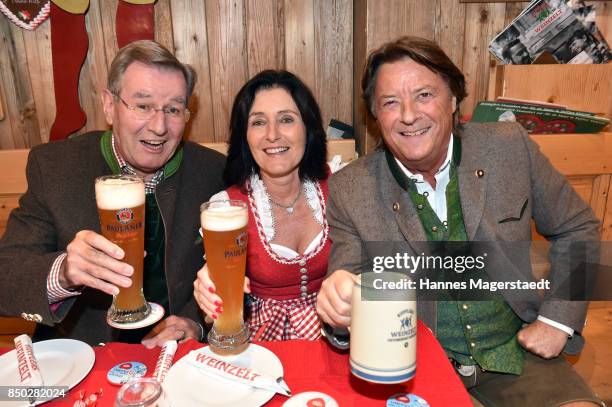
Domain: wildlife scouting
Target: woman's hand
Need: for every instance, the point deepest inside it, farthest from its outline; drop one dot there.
(205, 293)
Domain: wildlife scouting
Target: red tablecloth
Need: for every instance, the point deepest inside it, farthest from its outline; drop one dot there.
(309, 366)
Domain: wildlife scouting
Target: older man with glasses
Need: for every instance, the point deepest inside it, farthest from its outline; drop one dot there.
(60, 272)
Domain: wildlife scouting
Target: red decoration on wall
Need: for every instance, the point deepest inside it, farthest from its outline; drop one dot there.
(28, 15)
(134, 22)
(69, 44)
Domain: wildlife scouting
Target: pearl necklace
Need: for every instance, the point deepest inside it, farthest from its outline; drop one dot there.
(289, 208)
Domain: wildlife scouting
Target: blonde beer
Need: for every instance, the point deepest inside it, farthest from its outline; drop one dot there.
(224, 226)
(121, 207)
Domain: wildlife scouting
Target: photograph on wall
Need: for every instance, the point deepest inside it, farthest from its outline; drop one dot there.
(564, 29)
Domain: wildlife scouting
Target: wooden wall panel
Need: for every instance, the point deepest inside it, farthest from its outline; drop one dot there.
(94, 72)
(449, 28)
(38, 52)
(108, 16)
(360, 45)
(334, 51)
(599, 198)
(191, 46)
(300, 39)
(604, 18)
(20, 127)
(1, 102)
(584, 87)
(163, 24)
(513, 10)
(227, 58)
(483, 22)
(265, 35)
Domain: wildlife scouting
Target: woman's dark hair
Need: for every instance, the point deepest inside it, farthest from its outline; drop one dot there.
(240, 162)
(421, 51)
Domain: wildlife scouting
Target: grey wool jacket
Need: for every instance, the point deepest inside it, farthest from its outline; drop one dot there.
(504, 183)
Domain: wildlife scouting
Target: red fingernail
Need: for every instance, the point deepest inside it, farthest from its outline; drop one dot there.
(219, 310)
(218, 303)
(211, 290)
(214, 316)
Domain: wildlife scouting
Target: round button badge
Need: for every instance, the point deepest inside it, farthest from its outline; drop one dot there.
(126, 371)
(311, 399)
(406, 400)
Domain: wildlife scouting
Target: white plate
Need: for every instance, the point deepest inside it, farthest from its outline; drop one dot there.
(62, 362)
(157, 312)
(185, 386)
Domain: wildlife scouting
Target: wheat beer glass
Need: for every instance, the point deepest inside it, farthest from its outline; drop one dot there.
(224, 227)
(121, 207)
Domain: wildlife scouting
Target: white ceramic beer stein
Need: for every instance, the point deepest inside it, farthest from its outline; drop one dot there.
(383, 328)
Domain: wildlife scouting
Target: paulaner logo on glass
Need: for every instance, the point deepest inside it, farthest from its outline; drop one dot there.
(404, 261)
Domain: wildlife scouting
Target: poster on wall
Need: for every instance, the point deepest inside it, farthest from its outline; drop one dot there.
(565, 29)
(27, 14)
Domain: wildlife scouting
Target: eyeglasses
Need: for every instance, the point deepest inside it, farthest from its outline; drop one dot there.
(143, 111)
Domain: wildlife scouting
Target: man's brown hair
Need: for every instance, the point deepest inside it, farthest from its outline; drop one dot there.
(423, 52)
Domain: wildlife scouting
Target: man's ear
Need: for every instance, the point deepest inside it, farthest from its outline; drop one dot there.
(108, 105)
(454, 103)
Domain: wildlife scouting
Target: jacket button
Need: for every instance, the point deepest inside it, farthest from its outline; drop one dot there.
(480, 173)
(396, 206)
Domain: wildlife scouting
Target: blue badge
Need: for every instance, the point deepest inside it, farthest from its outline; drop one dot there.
(126, 371)
(406, 400)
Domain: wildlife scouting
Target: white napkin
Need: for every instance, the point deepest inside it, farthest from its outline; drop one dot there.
(217, 366)
(27, 366)
(164, 361)
(336, 163)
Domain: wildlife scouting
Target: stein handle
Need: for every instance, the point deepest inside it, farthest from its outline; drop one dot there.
(337, 337)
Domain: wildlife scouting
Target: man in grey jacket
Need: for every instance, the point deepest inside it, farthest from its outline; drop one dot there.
(436, 181)
(57, 269)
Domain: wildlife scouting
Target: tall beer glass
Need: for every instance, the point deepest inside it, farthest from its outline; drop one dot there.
(121, 201)
(224, 226)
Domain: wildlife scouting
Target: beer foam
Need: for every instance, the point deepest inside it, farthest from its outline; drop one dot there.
(117, 193)
(220, 218)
